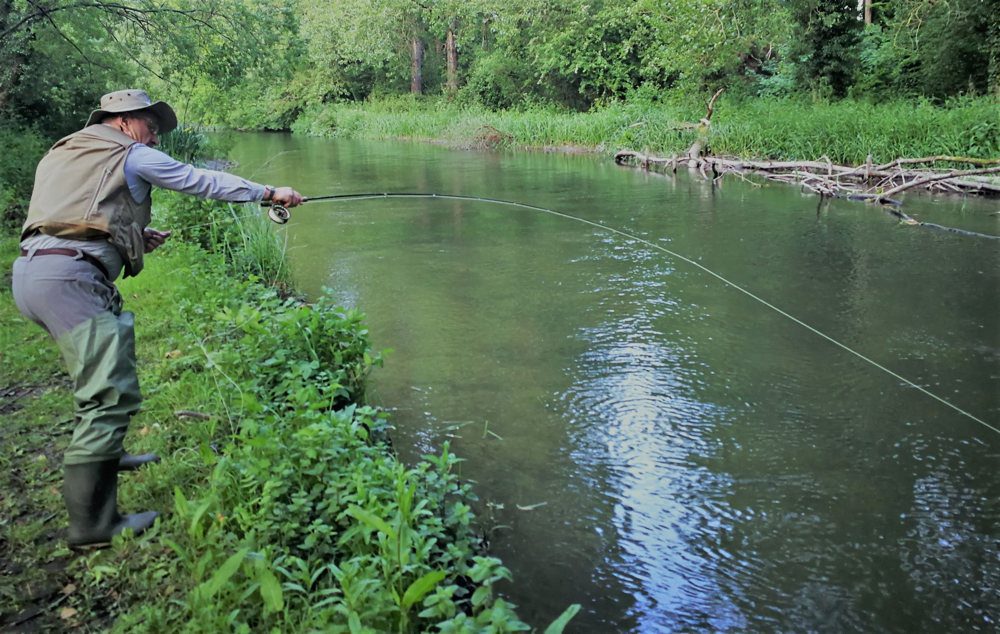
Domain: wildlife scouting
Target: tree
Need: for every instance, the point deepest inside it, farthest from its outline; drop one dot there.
(58, 56)
(826, 45)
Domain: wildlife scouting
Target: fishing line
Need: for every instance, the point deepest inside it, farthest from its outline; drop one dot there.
(653, 245)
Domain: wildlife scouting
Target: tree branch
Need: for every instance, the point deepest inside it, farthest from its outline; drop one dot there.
(936, 177)
(55, 26)
(136, 14)
(934, 159)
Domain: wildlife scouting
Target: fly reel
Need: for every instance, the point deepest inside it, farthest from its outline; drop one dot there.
(279, 214)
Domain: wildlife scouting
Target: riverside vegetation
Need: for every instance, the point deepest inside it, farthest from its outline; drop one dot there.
(781, 129)
(286, 508)
(789, 129)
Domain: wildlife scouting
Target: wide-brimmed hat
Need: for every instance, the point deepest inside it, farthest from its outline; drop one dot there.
(131, 100)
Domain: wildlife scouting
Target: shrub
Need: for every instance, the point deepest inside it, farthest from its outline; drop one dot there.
(23, 148)
(497, 82)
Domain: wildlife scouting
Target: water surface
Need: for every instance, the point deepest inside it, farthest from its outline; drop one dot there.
(649, 442)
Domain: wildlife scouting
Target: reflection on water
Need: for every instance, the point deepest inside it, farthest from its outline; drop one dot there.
(650, 443)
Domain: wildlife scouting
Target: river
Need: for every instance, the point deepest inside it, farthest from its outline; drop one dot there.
(649, 442)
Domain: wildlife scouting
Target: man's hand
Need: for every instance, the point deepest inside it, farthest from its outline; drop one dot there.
(154, 239)
(286, 197)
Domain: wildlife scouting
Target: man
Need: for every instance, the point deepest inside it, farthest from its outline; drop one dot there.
(87, 223)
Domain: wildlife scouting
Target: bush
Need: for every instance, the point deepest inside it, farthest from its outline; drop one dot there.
(296, 515)
(497, 82)
(23, 148)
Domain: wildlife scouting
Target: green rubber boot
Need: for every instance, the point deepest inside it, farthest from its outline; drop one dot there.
(91, 494)
(129, 462)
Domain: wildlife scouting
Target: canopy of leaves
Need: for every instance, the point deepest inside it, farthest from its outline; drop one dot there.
(262, 63)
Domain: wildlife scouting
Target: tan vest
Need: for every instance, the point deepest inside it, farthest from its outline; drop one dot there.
(80, 192)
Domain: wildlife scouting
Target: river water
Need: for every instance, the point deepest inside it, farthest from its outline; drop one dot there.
(648, 442)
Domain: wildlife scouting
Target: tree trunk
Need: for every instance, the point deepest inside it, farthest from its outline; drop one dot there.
(451, 50)
(868, 12)
(416, 65)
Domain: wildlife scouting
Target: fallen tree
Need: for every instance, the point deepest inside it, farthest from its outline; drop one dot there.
(868, 182)
(877, 183)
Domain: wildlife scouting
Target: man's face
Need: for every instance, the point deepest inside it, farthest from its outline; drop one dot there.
(142, 127)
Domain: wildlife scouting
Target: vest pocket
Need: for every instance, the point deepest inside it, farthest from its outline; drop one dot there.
(129, 241)
(92, 208)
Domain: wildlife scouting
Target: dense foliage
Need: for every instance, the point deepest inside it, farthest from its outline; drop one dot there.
(260, 64)
(272, 64)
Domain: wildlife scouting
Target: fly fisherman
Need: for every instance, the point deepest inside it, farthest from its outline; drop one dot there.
(87, 223)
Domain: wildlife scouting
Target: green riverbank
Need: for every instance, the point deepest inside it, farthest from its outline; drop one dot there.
(845, 131)
(284, 508)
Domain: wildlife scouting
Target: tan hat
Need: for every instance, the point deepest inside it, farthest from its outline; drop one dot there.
(131, 100)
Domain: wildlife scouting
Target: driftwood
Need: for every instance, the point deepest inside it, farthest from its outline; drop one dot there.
(869, 183)
(875, 183)
(694, 152)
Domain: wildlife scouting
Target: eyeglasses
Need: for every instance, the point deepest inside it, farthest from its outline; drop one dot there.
(152, 124)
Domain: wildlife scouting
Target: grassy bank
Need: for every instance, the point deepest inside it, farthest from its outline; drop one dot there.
(845, 131)
(284, 508)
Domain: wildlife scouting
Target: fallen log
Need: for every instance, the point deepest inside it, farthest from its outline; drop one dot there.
(937, 159)
(844, 181)
(841, 181)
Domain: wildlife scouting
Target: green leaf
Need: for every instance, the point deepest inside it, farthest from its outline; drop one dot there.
(481, 595)
(556, 627)
(419, 588)
(198, 514)
(180, 502)
(354, 623)
(270, 591)
(372, 520)
(224, 573)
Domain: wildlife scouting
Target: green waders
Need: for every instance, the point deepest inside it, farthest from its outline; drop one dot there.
(81, 309)
(100, 357)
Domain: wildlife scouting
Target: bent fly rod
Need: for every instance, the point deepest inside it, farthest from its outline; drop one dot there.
(281, 215)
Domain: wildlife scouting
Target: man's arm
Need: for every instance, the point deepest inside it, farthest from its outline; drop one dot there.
(147, 167)
(156, 168)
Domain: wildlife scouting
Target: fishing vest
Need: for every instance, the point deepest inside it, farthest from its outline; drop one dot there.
(80, 193)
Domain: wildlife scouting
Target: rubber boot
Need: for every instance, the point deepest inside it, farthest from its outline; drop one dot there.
(91, 494)
(128, 462)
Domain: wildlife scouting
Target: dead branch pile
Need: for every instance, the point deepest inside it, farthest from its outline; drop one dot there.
(868, 182)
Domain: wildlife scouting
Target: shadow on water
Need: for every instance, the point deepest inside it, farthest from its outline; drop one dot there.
(653, 444)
